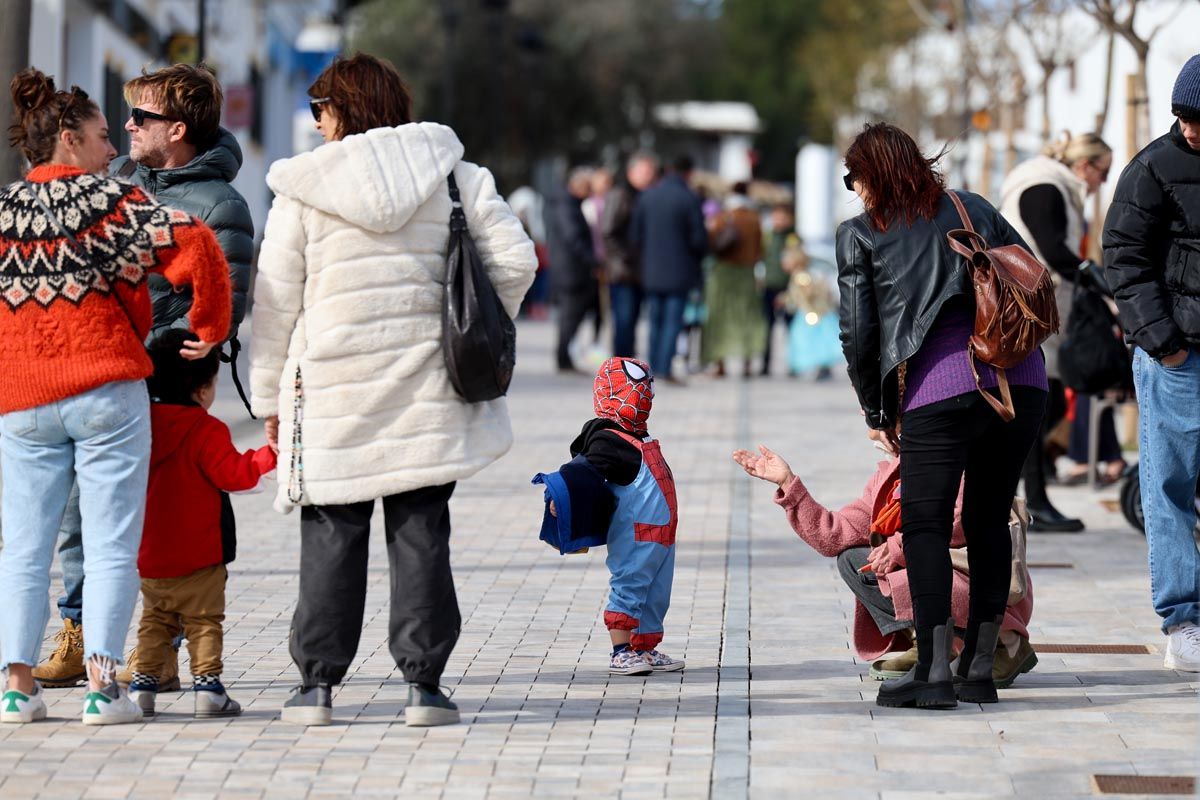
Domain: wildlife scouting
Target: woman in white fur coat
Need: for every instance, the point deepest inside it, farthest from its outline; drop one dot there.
(347, 368)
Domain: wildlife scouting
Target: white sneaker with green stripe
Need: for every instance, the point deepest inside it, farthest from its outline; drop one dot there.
(18, 707)
(110, 706)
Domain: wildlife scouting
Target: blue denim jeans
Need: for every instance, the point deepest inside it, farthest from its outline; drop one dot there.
(1169, 441)
(665, 311)
(102, 439)
(70, 558)
(626, 300)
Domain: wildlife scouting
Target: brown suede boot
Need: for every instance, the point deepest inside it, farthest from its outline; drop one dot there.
(168, 681)
(64, 669)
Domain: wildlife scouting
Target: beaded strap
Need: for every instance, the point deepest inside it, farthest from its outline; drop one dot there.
(296, 477)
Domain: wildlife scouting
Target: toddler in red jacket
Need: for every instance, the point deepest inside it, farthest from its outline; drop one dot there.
(189, 535)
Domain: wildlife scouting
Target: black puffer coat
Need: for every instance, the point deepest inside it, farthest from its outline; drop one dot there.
(202, 188)
(892, 286)
(1152, 246)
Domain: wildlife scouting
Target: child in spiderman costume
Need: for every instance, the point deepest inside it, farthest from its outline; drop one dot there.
(641, 536)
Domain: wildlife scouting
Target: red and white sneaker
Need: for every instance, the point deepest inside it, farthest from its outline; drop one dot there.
(661, 662)
(629, 662)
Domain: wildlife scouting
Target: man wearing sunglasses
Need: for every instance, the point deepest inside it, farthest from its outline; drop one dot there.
(181, 155)
(1152, 258)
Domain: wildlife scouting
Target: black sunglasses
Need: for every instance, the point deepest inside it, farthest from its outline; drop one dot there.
(140, 115)
(315, 104)
(848, 180)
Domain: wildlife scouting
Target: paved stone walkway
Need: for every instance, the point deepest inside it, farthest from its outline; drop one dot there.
(773, 702)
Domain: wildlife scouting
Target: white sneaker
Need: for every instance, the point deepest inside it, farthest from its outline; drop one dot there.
(661, 662)
(1183, 648)
(110, 706)
(629, 662)
(18, 707)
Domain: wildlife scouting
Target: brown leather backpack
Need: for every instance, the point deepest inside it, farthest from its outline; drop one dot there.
(1015, 310)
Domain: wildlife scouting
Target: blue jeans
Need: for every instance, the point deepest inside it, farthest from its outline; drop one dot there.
(102, 439)
(70, 558)
(1169, 440)
(665, 310)
(626, 307)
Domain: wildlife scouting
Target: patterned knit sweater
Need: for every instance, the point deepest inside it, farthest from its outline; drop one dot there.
(72, 320)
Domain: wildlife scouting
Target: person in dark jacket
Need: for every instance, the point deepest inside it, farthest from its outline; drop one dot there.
(621, 259)
(907, 313)
(1152, 261)
(572, 261)
(1044, 199)
(669, 234)
(181, 156)
(179, 153)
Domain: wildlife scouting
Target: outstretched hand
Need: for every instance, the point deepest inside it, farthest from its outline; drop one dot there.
(765, 465)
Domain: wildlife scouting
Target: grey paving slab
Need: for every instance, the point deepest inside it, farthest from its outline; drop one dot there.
(774, 703)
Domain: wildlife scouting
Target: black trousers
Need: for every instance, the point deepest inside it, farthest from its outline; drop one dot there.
(424, 622)
(573, 306)
(940, 444)
(1034, 470)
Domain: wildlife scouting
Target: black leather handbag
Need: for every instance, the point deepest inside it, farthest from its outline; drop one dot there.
(478, 337)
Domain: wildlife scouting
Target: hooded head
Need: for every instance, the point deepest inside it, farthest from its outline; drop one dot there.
(624, 393)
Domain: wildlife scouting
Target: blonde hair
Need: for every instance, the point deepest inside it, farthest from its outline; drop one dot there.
(187, 93)
(1069, 149)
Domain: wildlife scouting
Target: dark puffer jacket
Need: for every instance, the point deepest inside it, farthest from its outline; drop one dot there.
(202, 188)
(1152, 246)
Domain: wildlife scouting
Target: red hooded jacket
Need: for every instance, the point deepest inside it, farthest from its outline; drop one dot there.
(192, 460)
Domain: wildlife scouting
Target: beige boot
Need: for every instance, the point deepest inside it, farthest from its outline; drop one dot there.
(64, 669)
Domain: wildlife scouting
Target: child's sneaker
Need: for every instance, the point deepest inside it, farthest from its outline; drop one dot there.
(110, 706)
(629, 662)
(661, 662)
(426, 709)
(211, 704)
(143, 696)
(309, 705)
(18, 707)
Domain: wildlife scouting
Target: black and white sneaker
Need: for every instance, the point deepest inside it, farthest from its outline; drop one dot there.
(426, 709)
(210, 705)
(309, 705)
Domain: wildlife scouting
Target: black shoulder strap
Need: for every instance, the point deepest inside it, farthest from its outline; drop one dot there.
(235, 347)
(458, 218)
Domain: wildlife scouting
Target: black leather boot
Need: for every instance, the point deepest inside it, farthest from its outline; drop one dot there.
(973, 681)
(937, 691)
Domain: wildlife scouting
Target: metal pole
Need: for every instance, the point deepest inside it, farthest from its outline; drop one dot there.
(14, 57)
(201, 27)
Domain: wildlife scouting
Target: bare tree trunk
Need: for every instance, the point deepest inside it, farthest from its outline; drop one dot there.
(14, 57)
(1102, 117)
(1045, 105)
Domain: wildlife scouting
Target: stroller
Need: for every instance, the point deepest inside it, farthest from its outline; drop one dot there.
(1131, 500)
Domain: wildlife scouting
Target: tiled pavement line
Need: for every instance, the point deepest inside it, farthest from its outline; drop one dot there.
(731, 735)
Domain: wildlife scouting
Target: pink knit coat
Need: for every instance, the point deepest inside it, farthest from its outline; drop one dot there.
(831, 532)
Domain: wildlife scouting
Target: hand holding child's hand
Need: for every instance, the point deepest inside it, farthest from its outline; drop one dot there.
(271, 426)
(768, 466)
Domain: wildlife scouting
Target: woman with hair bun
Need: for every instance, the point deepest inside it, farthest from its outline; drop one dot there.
(75, 250)
(907, 313)
(1044, 199)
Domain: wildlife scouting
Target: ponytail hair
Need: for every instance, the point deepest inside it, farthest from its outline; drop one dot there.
(1068, 149)
(42, 112)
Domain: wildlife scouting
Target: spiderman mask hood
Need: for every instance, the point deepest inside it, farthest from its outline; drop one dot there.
(624, 393)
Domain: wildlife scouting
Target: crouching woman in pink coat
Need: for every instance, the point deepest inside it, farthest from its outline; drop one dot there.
(865, 538)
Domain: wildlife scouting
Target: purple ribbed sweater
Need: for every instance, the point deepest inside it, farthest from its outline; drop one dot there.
(941, 369)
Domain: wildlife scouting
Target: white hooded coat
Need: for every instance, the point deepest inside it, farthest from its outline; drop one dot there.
(349, 296)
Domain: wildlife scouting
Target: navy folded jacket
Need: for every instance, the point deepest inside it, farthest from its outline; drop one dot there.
(584, 503)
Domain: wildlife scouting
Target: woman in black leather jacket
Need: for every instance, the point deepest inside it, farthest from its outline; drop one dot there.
(907, 311)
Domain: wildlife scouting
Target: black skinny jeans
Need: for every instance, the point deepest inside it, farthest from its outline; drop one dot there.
(962, 438)
(424, 622)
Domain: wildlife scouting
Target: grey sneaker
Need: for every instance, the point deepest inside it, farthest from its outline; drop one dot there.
(426, 709)
(215, 704)
(144, 699)
(309, 705)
